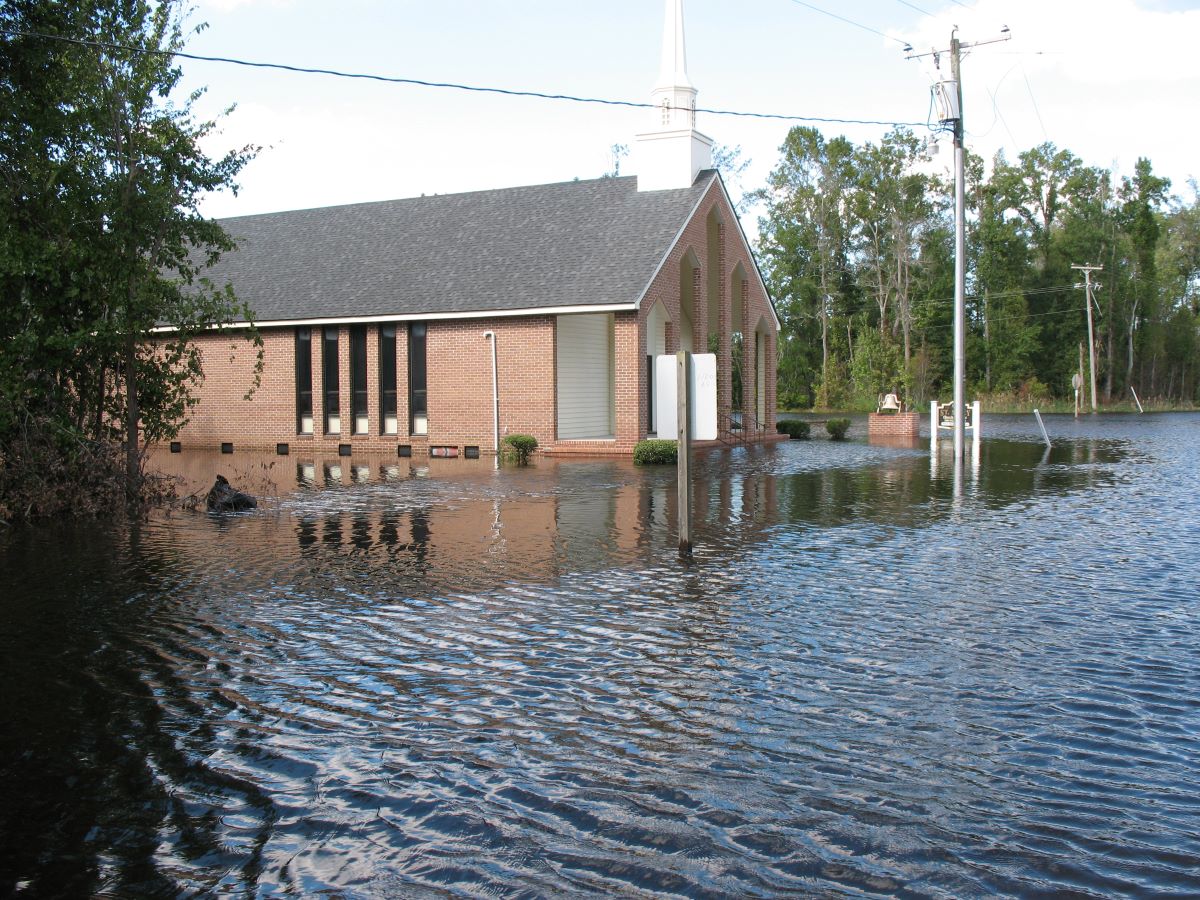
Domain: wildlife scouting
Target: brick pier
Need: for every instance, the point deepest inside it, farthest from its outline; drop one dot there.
(894, 425)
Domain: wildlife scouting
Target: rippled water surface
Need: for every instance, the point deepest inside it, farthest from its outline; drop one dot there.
(877, 677)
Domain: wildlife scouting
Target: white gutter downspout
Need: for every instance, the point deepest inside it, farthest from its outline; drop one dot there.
(491, 335)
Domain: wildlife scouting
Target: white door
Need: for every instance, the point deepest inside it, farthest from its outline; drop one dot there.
(585, 373)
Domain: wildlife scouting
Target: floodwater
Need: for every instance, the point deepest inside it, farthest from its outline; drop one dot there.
(877, 677)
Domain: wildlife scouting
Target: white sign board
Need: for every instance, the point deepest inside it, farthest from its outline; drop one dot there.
(703, 396)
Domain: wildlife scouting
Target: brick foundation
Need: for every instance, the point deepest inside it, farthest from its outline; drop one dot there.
(894, 425)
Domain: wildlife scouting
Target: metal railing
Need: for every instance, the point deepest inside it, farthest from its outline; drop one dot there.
(736, 428)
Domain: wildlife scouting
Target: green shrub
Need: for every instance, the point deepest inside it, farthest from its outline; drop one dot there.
(655, 453)
(793, 428)
(837, 428)
(519, 447)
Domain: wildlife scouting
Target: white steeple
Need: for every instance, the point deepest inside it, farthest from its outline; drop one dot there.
(672, 153)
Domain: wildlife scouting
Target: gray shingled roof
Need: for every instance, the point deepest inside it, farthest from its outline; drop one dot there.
(577, 243)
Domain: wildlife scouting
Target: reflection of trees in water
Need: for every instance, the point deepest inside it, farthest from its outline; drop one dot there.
(913, 491)
(101, 755)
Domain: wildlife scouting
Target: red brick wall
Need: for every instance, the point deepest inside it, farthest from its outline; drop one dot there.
(756, 309)
(459, 373)
(223, 413)
(459, 369)
(905, 424)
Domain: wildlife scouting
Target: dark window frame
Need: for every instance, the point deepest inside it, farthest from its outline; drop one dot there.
(418, 374)
(359, 405)
(387, 378)
(304, 379)
(330, 378)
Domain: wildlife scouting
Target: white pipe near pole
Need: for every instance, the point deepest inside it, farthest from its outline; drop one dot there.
(491, 335)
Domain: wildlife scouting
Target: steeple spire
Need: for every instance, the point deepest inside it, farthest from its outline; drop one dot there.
(674, 52)
(672, 152)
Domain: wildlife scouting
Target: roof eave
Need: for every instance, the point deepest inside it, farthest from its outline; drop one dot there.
(319, 321)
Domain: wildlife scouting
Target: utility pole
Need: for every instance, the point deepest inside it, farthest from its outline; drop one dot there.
(960, 254)
(949, 95)
(1087, 286)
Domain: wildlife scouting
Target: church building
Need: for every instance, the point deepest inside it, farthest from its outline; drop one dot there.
(437, 325)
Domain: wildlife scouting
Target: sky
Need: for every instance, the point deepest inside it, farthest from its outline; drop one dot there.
(1110, 80)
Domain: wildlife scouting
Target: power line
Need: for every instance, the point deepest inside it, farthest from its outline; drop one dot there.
(935, 326)
(917, 8)
(997, 295)
(833, 15)
(417, 82)
(1033, 100)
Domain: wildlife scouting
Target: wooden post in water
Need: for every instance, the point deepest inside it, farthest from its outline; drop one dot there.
(683, 426)
(1078, 383)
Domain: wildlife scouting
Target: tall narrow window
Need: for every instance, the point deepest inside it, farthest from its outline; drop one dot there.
(329, 374)
(387, 378)
(304, 398)
(417, 392)
(358, 378)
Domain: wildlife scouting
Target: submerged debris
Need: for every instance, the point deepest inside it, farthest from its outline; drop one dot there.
(224, 498)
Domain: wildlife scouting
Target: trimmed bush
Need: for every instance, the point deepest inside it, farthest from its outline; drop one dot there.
(655, 453)
(794, 428)
(519, 447)
(837, 428)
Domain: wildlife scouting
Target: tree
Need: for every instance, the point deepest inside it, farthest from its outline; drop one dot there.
(805, 247)
(1141, 198)
(732, 166)
(1000, 263)
(102, 237)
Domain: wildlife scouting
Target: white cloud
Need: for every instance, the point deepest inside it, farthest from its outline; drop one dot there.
(1109, 80)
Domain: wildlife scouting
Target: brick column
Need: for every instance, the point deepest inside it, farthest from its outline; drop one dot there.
(724, 328)
(374, 413)
(699, 312)
(318, 382)
(769, 360)
(749, 364)
(630, 377)
(403, 418)
(344, 385)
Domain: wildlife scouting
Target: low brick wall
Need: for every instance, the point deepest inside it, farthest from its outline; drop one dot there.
(905, 424)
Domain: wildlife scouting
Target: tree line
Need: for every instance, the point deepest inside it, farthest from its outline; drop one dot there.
(857, 246)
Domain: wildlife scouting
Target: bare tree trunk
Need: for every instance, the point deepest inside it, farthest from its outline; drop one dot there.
(987, 344)
(824, 337)
(98, 417)
(824, 314)
(1129, 346)
(132, 414)
(1108, 374)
